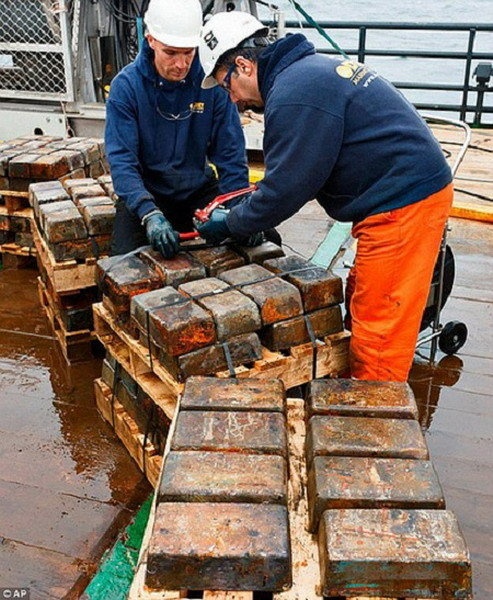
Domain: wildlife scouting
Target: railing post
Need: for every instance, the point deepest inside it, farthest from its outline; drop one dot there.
(467, 74)
(362, 44)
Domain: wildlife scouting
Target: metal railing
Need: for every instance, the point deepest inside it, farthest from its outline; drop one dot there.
(476, 96)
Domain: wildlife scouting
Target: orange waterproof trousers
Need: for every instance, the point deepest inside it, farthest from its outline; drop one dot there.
(388, 286)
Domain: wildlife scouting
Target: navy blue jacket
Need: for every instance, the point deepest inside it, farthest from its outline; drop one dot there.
(337, 132)
(151, 153)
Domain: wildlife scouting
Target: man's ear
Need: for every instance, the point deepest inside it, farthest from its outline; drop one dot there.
(244, 65)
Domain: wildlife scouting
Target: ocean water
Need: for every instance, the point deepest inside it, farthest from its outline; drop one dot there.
(407, 69)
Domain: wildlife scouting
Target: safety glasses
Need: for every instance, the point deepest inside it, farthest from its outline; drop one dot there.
(226, 84)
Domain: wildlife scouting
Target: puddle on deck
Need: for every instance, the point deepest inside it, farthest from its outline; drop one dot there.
(67, 485)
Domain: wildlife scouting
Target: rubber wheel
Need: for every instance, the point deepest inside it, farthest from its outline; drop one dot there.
(452, 337)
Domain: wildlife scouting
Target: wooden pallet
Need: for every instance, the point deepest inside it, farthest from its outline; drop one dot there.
(14, 201)
(294, 369)
(68, 275)
(304, 548)
(127, 430)
(16, 256)
(76, 346)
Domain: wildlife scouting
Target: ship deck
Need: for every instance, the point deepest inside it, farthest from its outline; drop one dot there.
(68, 486)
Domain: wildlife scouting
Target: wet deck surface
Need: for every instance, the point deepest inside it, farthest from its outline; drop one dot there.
(67, 485)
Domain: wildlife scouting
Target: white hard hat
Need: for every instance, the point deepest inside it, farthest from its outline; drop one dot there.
(222, 32)
(175, 22)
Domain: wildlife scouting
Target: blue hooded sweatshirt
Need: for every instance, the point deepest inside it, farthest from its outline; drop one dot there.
(160, 136)
(337, 132)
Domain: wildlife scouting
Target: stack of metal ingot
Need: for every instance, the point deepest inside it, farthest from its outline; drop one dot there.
(374, 497)
(221, 519)
(75, 218)
(148, 415)
(202, 312)
(72, 227)
(31, 159)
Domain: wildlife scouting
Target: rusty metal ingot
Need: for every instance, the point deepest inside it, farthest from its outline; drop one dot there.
(259, 254)
(174, 271)
(44, 192)
(181, 328)
(363, 482)
(61, 221)
(212, 393)
(82, 192)
(277, 299)
(318, 287)
(98, 214)
(361, 398)
(364, 436)
(224, 477)
(293, 332)
(122, 277)
(393, 553)
(141, 305)
(233, 312)
(231, 431)
(218, 545)
(242, 349)
(218, 259)
(90, 247)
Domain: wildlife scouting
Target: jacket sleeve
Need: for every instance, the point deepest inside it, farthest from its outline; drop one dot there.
(227, 145)
(301, 146)
(122, 149)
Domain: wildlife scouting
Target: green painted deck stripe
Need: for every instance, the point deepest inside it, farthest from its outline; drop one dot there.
(331, 244)
(117, 569)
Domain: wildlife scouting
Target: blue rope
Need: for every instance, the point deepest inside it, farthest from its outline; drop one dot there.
(322, 32)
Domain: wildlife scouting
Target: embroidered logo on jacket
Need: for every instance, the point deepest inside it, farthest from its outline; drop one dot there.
(353, 71)
(197, 107)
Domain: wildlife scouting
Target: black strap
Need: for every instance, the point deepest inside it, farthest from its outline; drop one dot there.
(116, 379)
(229, 360)
(148, 334)
(313, 341)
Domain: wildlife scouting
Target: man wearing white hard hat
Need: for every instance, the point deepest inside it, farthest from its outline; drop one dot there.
(337, 132)
(163, 130)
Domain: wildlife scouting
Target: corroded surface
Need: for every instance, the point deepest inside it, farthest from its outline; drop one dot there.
(223, 477)
(233, 394)
(361, 482)
(219, 546)
(394, 553)
(182, 328)
(318, 287)
(180, 269)
(293, 332)
(361, 398)
(240, 349)
(361, 436)
(276, 299)
(234, 431)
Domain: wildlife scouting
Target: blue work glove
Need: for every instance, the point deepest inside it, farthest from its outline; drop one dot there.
(161, 234)
(215, 230)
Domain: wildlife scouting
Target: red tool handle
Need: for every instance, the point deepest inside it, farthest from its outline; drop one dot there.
(203, 214)
(190, 235)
